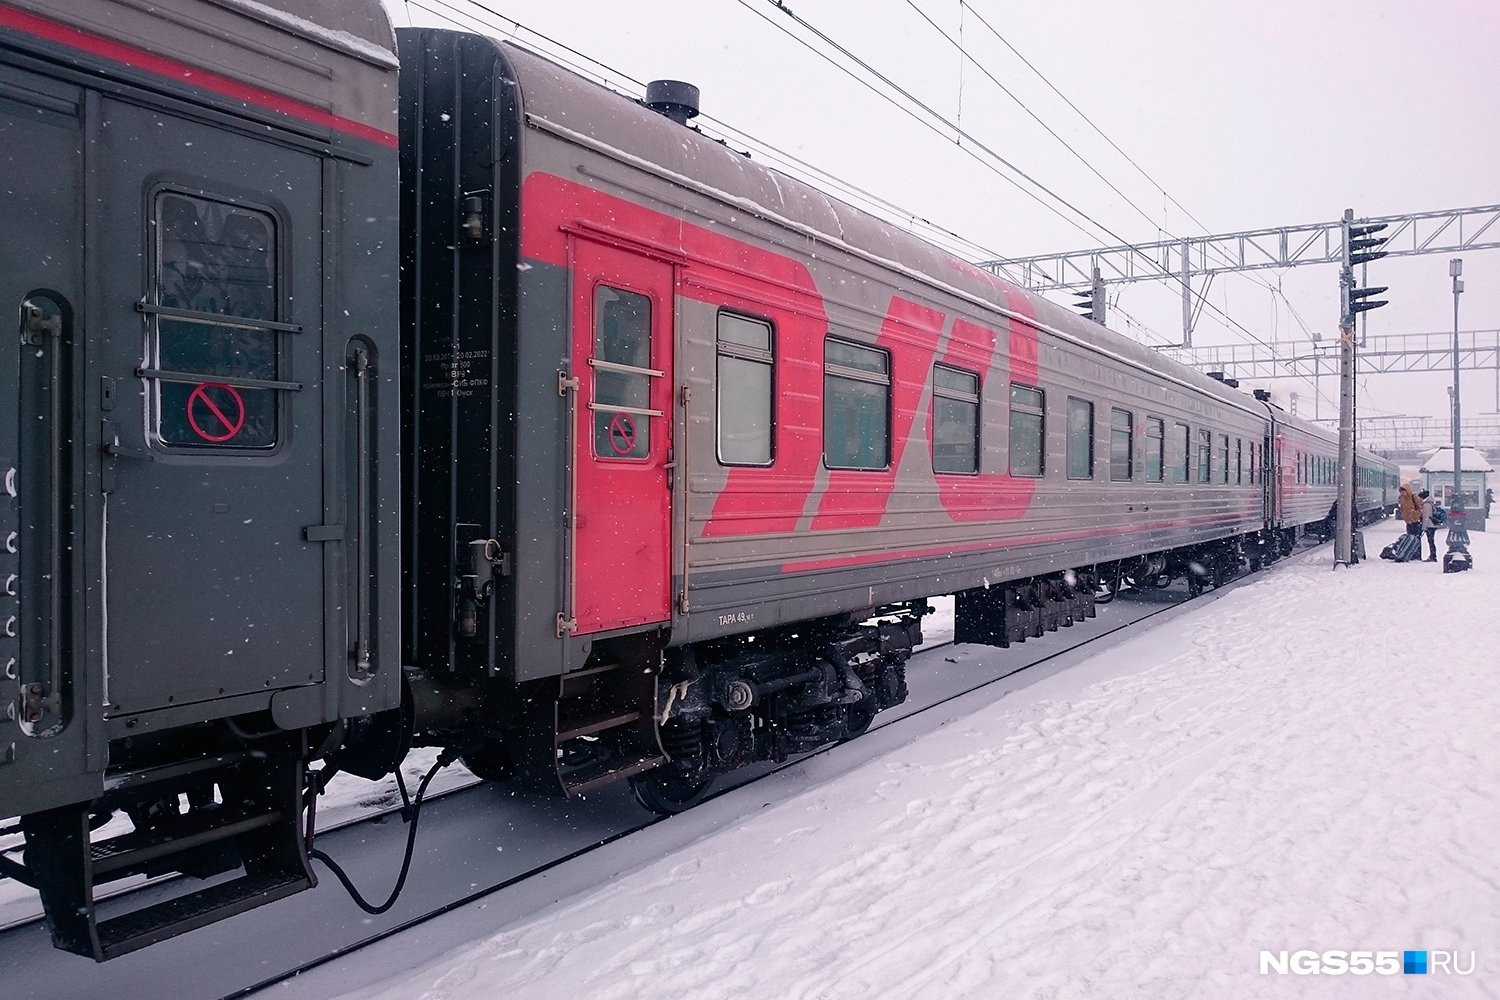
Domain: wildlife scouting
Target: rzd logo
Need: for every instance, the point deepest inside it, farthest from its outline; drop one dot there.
(1365, 963)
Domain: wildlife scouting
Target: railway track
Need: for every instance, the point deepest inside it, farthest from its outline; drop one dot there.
(31, 969)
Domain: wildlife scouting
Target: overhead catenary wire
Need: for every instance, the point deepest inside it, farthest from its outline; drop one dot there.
(925, 109)
(590, 66)
(1167, 196)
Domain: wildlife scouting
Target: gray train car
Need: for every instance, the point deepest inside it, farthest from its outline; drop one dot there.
(198, 515)
(680, 424)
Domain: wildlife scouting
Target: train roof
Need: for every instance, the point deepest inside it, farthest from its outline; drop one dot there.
(335, 61)
(560, 101)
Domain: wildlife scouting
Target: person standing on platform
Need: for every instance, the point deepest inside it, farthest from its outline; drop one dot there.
(1429, 524)
(1411, 511)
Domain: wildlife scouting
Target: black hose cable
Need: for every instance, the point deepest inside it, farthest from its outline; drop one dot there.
(405, 798)
(444, 759)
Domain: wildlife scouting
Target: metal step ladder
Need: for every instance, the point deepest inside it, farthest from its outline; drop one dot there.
(255, 830)
(598, 730)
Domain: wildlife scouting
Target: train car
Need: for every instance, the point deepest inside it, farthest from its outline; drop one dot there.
(680, 424)
(199, 438)
(643, 468)
(1377, 483)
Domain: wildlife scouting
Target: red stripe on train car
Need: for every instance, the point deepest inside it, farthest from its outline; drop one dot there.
(127, 55)
(858, 498)
(994, 496)
(754, 500)
(842, 562)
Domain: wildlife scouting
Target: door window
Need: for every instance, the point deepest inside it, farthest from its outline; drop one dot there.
(213, 340)
(622, 374)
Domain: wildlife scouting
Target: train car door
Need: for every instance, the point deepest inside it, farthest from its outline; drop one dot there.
(622, 356)
(44, 738)
(1267, 485)
(207, 319)
(1278, 482)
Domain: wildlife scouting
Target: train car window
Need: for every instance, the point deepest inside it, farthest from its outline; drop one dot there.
(622, 374)
(1185, 456)
(212, 370)
(1080, 438)
(1121, 445)
(1224, 454)
(1205, 456)
(747, 375)
(955, 410)
(1156, 435)
(856, 406)
(1027, 406)
(1239, 461)
(1252, 463)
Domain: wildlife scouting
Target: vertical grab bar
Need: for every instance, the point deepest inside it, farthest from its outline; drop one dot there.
(44, 486)
(361, 365)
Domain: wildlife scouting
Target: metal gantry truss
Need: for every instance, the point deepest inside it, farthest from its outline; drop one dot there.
(1448, 231)
(1182, 260)
(1478, 350)
(1414, 435)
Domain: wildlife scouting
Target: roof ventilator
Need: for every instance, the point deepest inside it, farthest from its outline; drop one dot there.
(673, 98)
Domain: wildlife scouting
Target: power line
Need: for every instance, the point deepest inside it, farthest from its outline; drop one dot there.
(781, 6)
(950, 240)
(519, 26)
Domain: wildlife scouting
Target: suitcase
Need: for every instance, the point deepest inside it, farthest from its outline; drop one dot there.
(1406, 548)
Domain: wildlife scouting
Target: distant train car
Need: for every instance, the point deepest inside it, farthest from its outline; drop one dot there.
(643, 469)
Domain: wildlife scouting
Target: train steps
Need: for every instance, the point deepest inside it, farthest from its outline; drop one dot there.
(598, 730)
(254, 833)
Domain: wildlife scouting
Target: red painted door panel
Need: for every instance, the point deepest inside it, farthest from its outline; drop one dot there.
(622, 356)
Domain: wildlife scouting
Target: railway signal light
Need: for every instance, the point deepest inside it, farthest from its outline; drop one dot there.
(1362, 245)
(1090, 302)
(1360, 301)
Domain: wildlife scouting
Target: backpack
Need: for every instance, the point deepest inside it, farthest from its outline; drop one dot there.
(1439, 515)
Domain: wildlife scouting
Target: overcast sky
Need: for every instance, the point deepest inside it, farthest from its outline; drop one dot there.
(1248, 114)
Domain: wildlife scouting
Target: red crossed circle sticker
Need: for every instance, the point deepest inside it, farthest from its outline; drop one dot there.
(622, 434)
(216, 412)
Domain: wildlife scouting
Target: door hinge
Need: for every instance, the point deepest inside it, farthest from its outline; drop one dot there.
(565, 626)
(686, 395)
(565, 382)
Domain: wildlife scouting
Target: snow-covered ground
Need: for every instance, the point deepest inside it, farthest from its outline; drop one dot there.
(1309, 763)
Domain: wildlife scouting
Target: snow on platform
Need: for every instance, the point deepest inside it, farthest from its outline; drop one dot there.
(1311, 762)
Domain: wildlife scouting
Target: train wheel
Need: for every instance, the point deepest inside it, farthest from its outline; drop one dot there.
(857, 717)
(491, 762)
(666, 791)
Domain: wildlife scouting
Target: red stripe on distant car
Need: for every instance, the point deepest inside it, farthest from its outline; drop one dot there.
(127, 55)
(841, 562)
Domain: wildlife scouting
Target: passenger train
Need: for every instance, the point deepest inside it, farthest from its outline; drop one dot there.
(359, 402)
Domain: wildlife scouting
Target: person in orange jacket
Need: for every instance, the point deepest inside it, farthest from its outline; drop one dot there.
(1411, 510)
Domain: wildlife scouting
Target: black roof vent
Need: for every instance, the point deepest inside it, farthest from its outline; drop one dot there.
(673, 98)
(1216, 376)
(1264, 395)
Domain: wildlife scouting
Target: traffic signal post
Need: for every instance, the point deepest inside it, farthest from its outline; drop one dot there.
(1360, 246)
